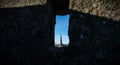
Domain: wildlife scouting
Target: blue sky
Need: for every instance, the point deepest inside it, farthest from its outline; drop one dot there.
(61, 27)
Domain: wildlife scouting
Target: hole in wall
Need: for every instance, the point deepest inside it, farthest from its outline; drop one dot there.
(61, 31)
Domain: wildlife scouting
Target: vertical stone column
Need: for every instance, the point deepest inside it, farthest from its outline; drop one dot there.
(94, 31)
(26, 30)
(52, 15)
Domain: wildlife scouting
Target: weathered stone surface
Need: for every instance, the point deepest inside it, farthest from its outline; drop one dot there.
(20, 3)
(103, 8)
(93, 39)
(25, 34)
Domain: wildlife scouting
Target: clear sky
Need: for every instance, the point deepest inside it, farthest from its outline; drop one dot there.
(61, 27)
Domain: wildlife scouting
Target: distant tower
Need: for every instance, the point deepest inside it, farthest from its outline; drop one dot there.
(61, 44)
(61, 40)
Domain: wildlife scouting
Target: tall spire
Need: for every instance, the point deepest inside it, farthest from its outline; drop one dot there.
(61, 44)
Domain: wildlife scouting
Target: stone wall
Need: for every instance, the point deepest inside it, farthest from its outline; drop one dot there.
(102, 8)
(94, 32)
(25, 32)
(95, 37)
(20, 3)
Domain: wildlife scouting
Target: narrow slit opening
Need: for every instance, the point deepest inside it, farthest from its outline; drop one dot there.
(61, 31)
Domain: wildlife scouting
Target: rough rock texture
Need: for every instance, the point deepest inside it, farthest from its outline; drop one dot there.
(25, 34)
(94, 40)
(102, 8)
(94, 32)
(20, 3)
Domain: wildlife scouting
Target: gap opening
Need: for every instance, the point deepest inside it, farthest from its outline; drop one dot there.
(61, 31)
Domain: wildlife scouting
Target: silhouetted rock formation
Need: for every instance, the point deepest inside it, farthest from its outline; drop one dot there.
(94, 39)
(27, 32)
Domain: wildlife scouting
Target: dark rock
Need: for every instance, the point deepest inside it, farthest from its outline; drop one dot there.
(93, 39)
(25, 33)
